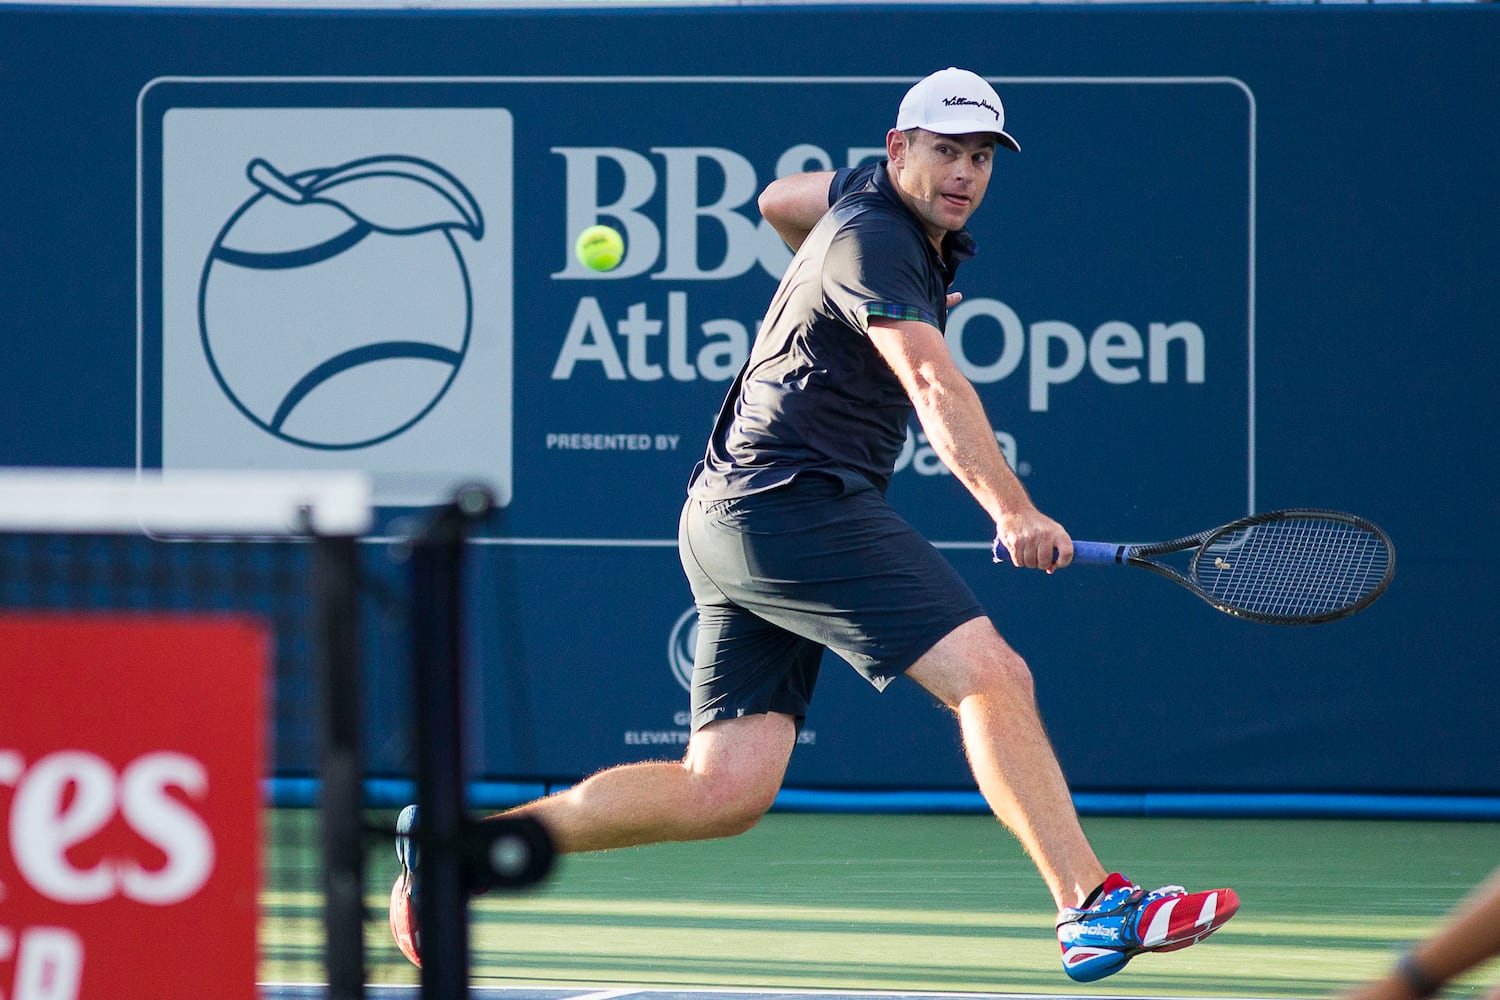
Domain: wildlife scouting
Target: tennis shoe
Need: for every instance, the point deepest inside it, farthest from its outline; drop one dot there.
(404, 925)
(1122, 920)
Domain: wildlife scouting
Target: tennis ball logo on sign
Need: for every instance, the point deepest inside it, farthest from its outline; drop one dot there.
(335, 308)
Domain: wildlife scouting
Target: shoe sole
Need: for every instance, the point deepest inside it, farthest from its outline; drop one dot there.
(403, 915)
(403, 921)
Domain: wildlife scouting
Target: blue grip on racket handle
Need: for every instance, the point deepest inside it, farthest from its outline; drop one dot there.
(1096, 553)
(1088, 553)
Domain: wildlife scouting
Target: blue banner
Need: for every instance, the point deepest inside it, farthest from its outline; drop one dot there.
(1226, 273)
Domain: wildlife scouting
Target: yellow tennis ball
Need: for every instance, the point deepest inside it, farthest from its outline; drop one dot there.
(600, 248)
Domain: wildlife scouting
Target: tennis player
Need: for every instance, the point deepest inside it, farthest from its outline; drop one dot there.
(791, 548)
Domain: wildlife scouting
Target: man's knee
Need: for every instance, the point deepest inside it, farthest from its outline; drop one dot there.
(973, 659)
(1005, 668)
(730, 809)
(737, 766)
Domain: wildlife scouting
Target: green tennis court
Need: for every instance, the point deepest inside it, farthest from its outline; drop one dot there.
(920, 904)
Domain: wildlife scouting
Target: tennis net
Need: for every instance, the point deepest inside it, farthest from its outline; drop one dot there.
(151, 628)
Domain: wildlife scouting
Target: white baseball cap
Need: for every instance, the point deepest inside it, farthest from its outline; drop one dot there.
(954, 101)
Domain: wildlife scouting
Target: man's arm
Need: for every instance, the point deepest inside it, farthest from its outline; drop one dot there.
(1470, 936)
(959, 431)
(794, 204)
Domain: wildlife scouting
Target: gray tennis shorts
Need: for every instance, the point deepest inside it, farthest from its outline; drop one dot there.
(821, 563)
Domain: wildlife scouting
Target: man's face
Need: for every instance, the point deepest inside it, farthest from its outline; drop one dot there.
(942, 177)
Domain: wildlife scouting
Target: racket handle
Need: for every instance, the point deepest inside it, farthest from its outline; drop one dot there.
(1086, 553)
(1097, 553)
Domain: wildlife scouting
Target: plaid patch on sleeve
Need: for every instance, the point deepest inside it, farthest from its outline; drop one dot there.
(889, 310)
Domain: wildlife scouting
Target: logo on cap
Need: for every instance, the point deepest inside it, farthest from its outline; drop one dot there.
(958, 99)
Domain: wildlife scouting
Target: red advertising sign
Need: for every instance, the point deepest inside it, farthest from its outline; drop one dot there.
(130, 760)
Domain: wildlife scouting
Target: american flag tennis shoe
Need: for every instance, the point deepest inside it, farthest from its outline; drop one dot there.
(1122, 920)
(404, 893)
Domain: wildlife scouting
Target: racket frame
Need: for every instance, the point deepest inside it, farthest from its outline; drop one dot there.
(1141, 555)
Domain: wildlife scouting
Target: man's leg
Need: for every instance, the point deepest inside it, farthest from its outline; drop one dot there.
(725, 783)
(975, 672)
(722, 787)
(981, 678)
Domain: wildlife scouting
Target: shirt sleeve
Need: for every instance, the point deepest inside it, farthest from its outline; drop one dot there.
(847, 179)
(875, 268)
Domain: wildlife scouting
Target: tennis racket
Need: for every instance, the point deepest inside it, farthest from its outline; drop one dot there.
(1285, 567)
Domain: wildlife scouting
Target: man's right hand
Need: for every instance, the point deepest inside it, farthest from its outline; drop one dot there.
(1034, 540)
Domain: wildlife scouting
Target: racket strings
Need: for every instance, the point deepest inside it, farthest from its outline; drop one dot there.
(1294, 568)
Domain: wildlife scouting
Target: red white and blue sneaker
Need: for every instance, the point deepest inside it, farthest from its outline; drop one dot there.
(403, 894)
(1121, 920)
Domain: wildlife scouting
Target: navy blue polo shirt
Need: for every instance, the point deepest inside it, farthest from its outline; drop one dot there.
(815, 393)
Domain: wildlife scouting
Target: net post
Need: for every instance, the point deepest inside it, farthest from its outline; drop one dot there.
(437, 673)
(340, 695)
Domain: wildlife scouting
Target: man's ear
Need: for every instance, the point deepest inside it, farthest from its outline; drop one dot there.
(895, 146)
